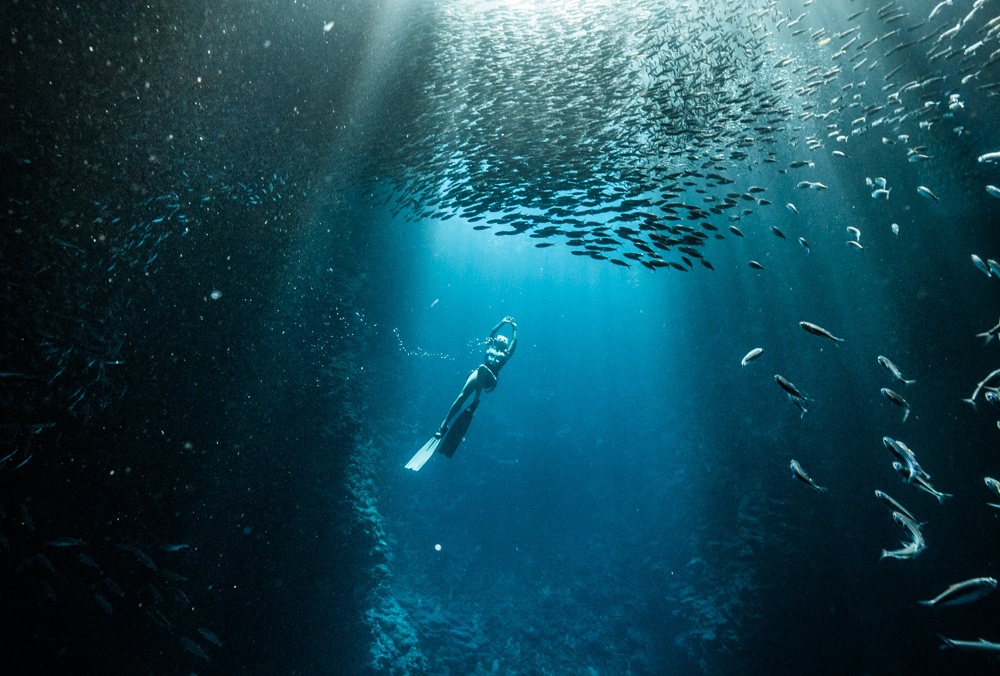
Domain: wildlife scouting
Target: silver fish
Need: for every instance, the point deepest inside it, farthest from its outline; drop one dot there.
(978, 262)
(980, 646)
(921, 483)
(907, 457)
(924, 191)
(994, 486)
(751, 355)
(819, 331)
(989, 157)
(892, 504)
(800, 474)
(937, 8)
(897, 400)
(993, 190)
(194, 648)
(963, 592)
(787, 386)
(891, 368)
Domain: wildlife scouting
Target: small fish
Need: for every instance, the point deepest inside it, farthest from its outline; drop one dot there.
(963, 592)
(139, 554)
(907, 457)
(805, 244)
(66, 542)
(104, 604)
(210, 637)
(937, 8)
(978, 262)
(891, 368)
(856, 244)
(736, 231)
(177, 548)
(811, 185)
(920, 482)
(787, 386)
(892, 504)
(752, 355)
(993, 190)
(897, 400)
(881, 192)
(777, 232)
(159, 618)
(87, 561)
(800, 474)
(194, 648)
(994, 486)
(989, 157)
(755, 265)
(854, 232)
(980, 646)
(926, 192)
(791, 207)
(895, 229)
(993, 266)
(819, 331)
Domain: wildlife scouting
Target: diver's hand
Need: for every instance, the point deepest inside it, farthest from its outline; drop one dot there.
(508, 319)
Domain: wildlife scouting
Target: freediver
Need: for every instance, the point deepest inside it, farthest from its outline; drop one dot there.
(484, 377)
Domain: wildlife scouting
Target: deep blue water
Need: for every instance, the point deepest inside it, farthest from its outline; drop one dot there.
(242, 285)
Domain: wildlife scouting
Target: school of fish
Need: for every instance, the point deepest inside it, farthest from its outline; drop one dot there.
(626, 131)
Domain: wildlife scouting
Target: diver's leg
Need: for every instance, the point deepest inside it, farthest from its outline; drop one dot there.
(470, 386)
(475, 400)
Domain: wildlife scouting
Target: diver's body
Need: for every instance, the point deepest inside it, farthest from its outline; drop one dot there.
(484, 377)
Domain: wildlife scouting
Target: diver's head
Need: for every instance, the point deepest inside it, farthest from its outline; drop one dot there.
(500, 342)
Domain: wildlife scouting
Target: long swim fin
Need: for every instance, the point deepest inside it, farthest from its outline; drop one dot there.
(456, 434)
(459, 429)
(424, 454)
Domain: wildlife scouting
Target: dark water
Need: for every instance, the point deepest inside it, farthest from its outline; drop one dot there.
(241, 288)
